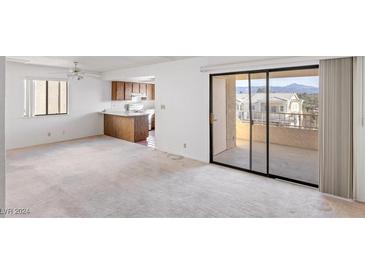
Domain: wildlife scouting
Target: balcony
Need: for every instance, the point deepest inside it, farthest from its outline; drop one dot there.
(283, 119)
(293, 149)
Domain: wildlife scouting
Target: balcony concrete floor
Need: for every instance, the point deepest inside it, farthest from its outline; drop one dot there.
(286, 161)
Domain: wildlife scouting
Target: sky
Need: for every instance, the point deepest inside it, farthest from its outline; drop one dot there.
(281, 82)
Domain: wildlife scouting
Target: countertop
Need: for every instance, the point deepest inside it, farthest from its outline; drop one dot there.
(125, 114)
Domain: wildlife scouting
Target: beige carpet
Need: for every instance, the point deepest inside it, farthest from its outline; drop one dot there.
(107, 177)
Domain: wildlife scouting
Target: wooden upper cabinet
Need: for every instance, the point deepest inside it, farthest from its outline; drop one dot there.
(114, 91)
(123, 90)
(120, 91)
(143, 89)
(117, 91)
(135, 87)
(150, 92)
(128, 91)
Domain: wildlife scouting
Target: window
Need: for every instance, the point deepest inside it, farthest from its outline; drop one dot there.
(273, 108)
(295, 107)
(281, 108)
(50, 97)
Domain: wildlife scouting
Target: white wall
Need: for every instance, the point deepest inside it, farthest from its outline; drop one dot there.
(87, 97)
(2, 132)
(184, 90)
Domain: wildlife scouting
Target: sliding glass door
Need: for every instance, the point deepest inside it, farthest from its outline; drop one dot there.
(267, 122)
(293, 123)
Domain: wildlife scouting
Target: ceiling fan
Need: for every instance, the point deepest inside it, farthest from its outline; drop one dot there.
(76, 73)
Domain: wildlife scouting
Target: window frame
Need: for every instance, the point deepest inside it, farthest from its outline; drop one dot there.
(33, 96)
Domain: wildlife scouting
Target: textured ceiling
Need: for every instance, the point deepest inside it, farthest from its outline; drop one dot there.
(94, 63)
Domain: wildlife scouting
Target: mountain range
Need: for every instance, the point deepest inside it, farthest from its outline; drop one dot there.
(297, 88)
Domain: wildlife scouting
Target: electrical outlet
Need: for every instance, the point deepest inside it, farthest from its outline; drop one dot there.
(163, 107)
(184, 145)
(49, 134)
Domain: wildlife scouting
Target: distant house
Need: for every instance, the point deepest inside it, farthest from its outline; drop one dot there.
(282, 105)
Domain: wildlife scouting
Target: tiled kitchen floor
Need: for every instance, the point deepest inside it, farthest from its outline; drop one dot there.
(151, 140)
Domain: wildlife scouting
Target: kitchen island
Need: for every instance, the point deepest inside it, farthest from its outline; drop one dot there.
(129, 126)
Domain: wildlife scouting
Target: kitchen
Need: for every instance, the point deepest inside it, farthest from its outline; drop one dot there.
(132, 113)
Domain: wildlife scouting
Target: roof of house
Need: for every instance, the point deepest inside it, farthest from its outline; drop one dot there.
(261, 97)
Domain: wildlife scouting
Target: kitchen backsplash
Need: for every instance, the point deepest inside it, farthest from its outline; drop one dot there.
(119, 105)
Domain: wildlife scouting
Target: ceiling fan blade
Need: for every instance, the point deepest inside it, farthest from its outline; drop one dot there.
(58, 72)
(72, 74)
(93, 75)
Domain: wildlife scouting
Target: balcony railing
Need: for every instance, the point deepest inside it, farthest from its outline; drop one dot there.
(307, 121)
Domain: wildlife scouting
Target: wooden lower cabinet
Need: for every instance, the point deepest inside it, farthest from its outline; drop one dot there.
(153, 121)
(129, 128)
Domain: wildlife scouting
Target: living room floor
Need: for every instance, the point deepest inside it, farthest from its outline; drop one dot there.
(107, 177)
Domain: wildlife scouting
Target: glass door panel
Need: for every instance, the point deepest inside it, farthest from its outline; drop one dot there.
(293, 123)
(230, 120)
(258, 98)
(242, 121)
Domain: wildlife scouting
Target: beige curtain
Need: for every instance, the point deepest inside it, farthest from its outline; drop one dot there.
(336, 126)
(359, 129)
(2, 134)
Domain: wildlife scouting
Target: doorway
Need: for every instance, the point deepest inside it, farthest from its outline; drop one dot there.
(266, 122)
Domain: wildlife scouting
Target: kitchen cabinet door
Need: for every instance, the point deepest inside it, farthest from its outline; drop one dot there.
(114, 91)
(143, 89)
(150, 92)
(120, 91)
(128, 91)
(135, 87)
